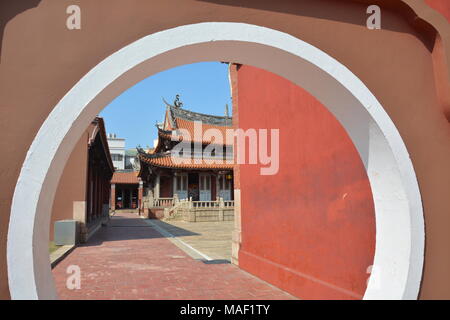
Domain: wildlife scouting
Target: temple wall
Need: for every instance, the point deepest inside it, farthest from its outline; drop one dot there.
(442, 6)
(310, 228)
(70, 198)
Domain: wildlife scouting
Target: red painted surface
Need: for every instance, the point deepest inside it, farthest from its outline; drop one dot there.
(443, 6)
(310, 229)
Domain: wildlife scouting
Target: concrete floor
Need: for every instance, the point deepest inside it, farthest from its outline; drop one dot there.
(213, 239)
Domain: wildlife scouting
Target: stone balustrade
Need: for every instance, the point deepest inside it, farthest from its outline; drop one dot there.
(163, 202)
(197, 211)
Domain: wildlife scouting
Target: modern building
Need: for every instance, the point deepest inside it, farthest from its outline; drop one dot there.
(117, 150)
(130, 157)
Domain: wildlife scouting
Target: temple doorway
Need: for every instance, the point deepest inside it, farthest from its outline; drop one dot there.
(126, 197)
(193, 190)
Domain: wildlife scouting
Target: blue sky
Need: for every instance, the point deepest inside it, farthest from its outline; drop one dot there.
(203, 87)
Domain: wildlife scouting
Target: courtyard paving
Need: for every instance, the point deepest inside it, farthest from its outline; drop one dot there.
(130, 259)
(213, 239)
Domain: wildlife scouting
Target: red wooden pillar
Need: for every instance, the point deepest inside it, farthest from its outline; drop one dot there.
(106, 192)
(140, 195)
(99, 194)
(90, 194)
(95, 203)
(98, 200)
(113, 196)
(94, 194)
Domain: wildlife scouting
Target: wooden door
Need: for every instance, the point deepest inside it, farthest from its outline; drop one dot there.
(205, 187)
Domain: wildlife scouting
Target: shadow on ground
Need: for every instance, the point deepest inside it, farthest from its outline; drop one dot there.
(121, 228)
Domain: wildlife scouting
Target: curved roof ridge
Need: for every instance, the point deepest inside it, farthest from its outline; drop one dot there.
(204, 118)
(201, 114)
(179, 112)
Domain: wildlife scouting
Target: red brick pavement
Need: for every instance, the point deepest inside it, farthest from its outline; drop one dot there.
(130, 260)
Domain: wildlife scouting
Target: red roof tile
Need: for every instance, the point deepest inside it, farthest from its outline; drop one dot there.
(189, 127)
(125, 177)
(185, 163)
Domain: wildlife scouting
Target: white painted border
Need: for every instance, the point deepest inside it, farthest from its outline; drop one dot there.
(399, 218)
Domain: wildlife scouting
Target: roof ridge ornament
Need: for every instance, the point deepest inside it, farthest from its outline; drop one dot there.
(177, 103)
(140, 150)
(227, 113)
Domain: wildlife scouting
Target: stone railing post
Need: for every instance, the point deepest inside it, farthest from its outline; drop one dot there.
(150, 201)
(221, 207)
(191, 211)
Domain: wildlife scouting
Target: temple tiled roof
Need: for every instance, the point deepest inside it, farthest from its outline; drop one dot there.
(179, 118)
(178, 113)
(179, 135)
(170, 161)
(121, 177)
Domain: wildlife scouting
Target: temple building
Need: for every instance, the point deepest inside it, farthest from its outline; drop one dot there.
(126, 187)
(187, 164)
(126, 191)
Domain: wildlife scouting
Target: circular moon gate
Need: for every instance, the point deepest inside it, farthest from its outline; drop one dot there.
(398, 261)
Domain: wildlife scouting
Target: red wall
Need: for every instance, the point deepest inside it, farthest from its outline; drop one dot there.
(443, 6)
(310, 229)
